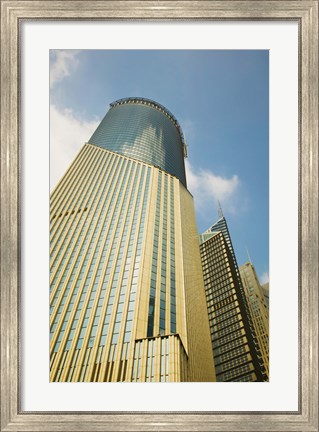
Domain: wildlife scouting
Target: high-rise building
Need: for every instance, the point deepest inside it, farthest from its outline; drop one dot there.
(258, 309)
(265, 289)
(235, 347)
(127, 300)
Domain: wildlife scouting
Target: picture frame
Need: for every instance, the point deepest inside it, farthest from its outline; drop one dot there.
(13, 13)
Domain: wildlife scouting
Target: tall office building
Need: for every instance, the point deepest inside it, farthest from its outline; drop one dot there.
(258, 309)
(265, 289)
(127, 296)
(235, 346)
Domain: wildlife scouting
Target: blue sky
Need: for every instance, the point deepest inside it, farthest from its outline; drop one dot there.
(221, 100)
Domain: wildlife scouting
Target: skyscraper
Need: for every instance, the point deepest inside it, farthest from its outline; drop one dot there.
(235, 346)
(258, 307)
(265, 289)
(127, 300)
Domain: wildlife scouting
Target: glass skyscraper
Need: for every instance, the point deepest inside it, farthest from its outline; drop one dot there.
(127, 299)
(258, 307)
(235, 346)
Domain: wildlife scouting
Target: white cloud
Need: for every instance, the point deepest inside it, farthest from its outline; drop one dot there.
(62, 64)
(209, 188)
(189, 129)
(264, 278)
(67, 136)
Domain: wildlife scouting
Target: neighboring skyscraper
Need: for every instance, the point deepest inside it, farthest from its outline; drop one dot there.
(127, 296)
(258, 309)
(235, 347)
(265, 289)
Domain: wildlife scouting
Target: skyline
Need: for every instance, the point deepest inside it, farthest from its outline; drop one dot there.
(220, 98)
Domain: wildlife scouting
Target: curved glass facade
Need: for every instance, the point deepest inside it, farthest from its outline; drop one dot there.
(143, 130)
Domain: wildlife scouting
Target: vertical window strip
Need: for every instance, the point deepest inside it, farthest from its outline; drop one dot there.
(167, 360)
(153, 352)
(162, 322)
(139, 360)
(148, 361)
(135, 361)
(162, 361)
(172, 260)
(151, 306)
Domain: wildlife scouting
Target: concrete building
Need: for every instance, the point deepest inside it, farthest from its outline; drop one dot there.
(127, 300)
(235, 346)
(258, 307)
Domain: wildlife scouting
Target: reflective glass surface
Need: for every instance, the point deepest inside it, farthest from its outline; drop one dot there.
(143, 132)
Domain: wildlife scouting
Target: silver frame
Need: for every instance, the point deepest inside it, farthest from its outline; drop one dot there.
(306, 14)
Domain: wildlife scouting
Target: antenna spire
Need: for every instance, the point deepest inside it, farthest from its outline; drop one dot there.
(249, 259)
(220, 211)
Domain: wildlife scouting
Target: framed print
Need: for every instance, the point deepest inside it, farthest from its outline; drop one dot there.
(289, 32)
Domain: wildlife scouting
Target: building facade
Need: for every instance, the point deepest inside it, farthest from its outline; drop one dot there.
(265, 289)
(235, 347)
(258, 307)
(127, 300)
